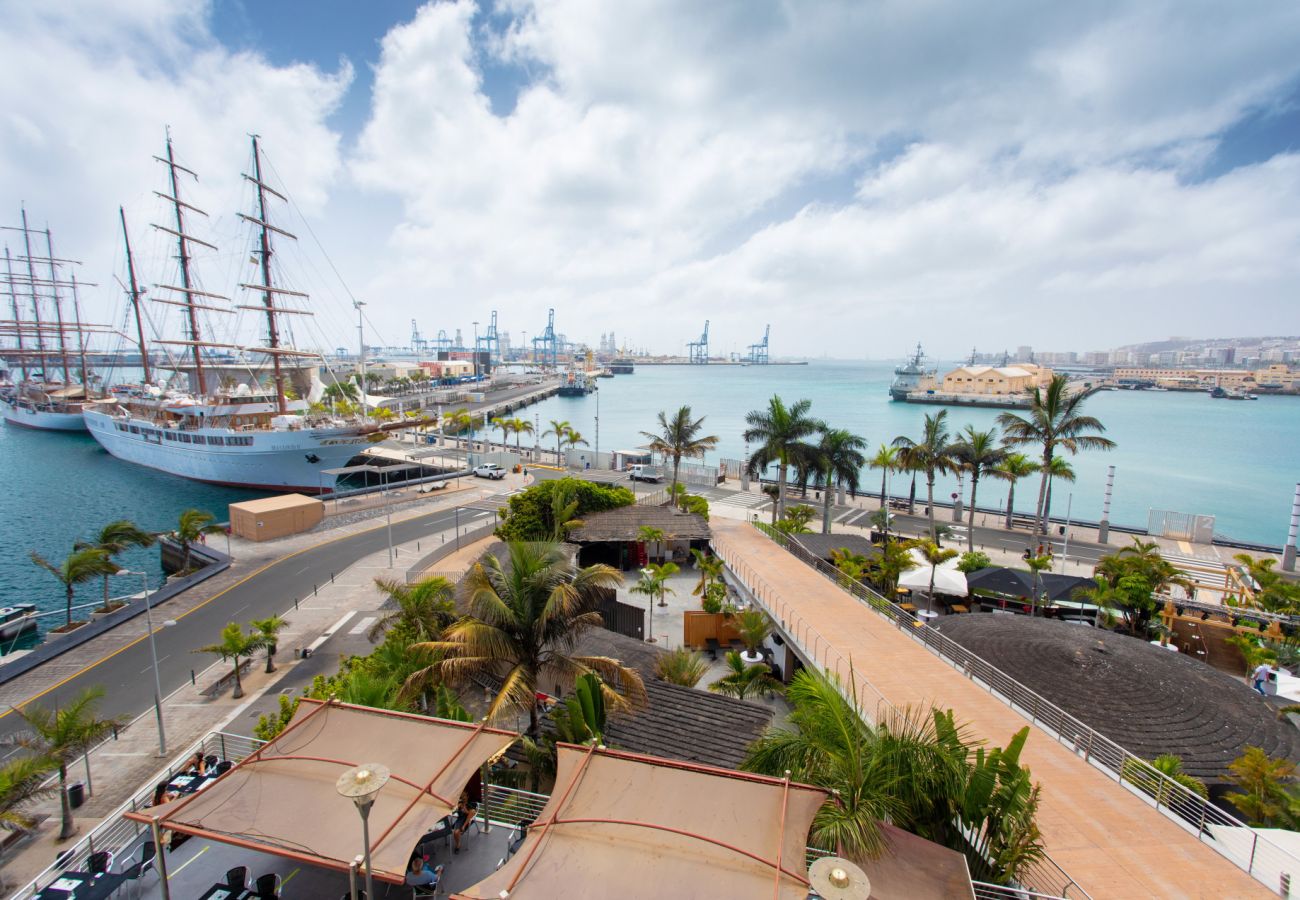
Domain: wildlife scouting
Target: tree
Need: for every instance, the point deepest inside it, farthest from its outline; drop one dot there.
(1038, 565)
(754, 627)
(1169, 765)
(1138, 572)
(77, 567)
(973, 561)
(889, 566)
(1012, 468)
(681, 666)
(661, 573)
(935, 556)
(1054, 422)
(581, 718)
(781, 434)
(1272, 592)
(1102, 595)
(852, 566)
(234, 646)
(839, 460)
(117, 537)
(1061, 469)
(520, 426)
(886, 460)
(22, 781)
(977, 453)
(530, 515)
(340, 390)
(574, 438)
(269, 630)
(382, 414)
(648, 534)
(421, 610)
(710, 569)
(506, 425)
(680, 437)
(192, 525)
(1263, 799)
(559, 429)
(525, 616)
(744, 680)
(796, 519)
(932, 454)
(62, 736)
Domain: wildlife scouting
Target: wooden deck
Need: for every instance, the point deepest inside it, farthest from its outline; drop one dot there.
(1110, 841)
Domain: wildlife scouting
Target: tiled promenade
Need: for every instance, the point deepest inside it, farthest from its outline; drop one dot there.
(1110, 841)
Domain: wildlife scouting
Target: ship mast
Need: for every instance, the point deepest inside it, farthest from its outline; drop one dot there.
(13, 304)
(269, 292)
(135, 297)
(81, 339)
(58, 305)
(36, 305)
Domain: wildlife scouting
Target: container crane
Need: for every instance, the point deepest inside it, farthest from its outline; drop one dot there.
(758, 352)
(545, 346)
(699, 350)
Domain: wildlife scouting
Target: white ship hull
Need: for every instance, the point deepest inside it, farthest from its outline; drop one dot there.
(275, 460)
(27, 416)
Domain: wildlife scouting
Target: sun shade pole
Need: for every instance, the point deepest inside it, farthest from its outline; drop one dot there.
(160, 858)
(780, 836)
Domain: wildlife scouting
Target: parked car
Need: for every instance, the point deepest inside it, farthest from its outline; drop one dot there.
(646, 473)
(490, 470)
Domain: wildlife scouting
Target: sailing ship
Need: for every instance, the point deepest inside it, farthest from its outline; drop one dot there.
(36, 400)
(246, 434)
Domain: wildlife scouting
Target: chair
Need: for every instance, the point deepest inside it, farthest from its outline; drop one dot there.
(223, 767)
(515, 840)
(712, 645)
(237, 878)
(429, 890)
(148, 853)
(99, 862)
(210, 760)
(268, 887)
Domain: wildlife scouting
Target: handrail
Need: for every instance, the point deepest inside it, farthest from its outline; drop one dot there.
(1257, 855)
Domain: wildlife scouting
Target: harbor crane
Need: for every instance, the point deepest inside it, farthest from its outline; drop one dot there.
(442, 343)
(490, 343)
(418, 343)
(545, 346)
(758, 352)
(699, 350)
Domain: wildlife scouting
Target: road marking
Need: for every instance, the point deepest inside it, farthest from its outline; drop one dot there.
(172, 873)
(1185, 547)
(150, 667)
(363, 625)
(329, 632)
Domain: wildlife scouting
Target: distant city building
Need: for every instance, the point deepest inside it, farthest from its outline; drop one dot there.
(1274, 378)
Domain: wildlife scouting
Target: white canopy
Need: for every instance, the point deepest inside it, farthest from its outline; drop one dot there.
(947, 579)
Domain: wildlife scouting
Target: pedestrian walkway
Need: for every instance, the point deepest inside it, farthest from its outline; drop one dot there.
(1110, 841)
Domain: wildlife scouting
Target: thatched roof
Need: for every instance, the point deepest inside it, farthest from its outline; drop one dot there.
(624, 523)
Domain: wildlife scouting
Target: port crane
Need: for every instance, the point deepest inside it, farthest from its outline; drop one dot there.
(490, 342)
(545, 346)
(758, 352)
(699, 350)
(418, 343)
(442, 342)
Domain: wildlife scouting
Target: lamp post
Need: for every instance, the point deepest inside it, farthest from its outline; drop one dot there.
(650, 605)
(360, 785)
(361, 352)
(153, 658)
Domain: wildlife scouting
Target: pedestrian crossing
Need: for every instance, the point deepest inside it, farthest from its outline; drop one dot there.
(735, 499)
(1207, 572)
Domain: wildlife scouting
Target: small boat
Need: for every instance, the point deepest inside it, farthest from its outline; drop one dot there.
(17, 620)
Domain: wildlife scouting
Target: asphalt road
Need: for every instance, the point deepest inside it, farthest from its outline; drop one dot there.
(999, 538)
(127, 674)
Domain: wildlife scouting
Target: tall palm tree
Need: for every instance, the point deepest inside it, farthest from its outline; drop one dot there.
(22, 781)
(118, 537)
(520, 426)
(889, 565)
(269, 629)
(573, 438)
(679, 437)
(782, 435)
(1012, 468)
(710, 569)
(525, 616)
(559, 429)
(839, 460)
(1054, 422)
(77, 567)
(506, 425)
(1038, 565)
(422, 609)
(63, 735)
(192, 525)
(935, 556)
(977, 452)
(463, 420)
(886, 460)
(932, 454)
(234, 645)
(661, 573)
(1061, 469)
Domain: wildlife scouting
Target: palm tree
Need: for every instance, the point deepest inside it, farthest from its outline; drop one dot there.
(574, 438)
(1012, 468)
(117, 537)
(782, 436)
(22, 781)
(520, 426)
(710, 569)
(269, 629)
(648, 534)
(506, 426)
(661, 573)
(1038, 565)
(234, 646)
(63, 735)
(744, 680)
(77, 567)
(839, 459)
(524, 618)
(1061, 469)
(933, 454)
(559, 428)
(422, 609)
(886, 460)
(977, 452)
(680, 437)
(1101, 594)
(754, 627)
(681, 666)
(190, 527)
(935, 556)
(890, 565)
(1169, 765)
(1054, 422)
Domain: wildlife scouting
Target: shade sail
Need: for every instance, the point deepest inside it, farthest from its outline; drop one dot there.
(623, 825)
(947, 579)
(1019, 583)
(282, 799)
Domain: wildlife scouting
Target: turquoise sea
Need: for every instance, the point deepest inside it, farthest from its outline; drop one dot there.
(1184, 452)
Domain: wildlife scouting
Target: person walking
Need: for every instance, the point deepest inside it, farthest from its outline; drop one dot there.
(1261, 675)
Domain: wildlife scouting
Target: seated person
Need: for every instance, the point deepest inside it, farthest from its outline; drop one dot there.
(419, 874)
(466, 809)
(197, 765)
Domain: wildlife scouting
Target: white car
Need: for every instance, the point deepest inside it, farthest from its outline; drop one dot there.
(490, 470)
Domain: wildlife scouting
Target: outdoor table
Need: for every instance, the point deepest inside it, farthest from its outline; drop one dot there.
(84, 886)
(959, 608)
(907, 607)
(222, 892)
(926, 615)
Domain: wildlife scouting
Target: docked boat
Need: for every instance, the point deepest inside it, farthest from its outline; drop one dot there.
(912, 376)
(17, 620)
(245, 434)
(576, 383)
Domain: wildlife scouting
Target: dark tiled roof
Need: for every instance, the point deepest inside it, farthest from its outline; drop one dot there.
(622, 524)
(1144, 698)
(689, 724)
(821, 545)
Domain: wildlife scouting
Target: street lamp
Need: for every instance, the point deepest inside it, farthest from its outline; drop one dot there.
(153, 657)
(650, 605)
(360, 785)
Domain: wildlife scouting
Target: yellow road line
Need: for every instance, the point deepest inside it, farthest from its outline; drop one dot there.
(1186, 548)
(289, 877)
(250, 575)
(171, 874)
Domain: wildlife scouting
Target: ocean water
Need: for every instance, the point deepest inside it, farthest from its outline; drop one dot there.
(1237, 461)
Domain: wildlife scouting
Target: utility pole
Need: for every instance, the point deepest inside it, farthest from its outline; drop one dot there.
(361, 352)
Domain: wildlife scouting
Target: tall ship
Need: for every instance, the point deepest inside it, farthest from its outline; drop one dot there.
(911, 376)
(48, 339)
(254, 432)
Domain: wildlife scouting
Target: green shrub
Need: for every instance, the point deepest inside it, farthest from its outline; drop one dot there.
(529, 516)
(973, 561)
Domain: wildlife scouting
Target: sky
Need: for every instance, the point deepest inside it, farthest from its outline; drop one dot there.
(858, 175)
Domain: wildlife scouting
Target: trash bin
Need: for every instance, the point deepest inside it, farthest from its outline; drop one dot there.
(76, 794)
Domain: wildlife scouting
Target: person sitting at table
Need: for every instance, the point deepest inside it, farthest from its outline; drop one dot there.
(163, 793)
(198, 765)
(465, 812)
(419, 874)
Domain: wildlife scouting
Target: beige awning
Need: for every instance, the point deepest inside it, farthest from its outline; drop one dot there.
(623, 825)
(282, 799)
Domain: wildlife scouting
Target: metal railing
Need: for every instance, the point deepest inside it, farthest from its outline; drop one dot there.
(1265, 860)
(657, 498)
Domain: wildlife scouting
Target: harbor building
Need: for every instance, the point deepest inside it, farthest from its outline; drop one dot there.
(1276, 378)
(996, 381)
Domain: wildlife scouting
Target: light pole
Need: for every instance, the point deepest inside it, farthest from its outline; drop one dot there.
(361, 352)
(476, 353)
(650, 605)
(153, 657)
(360, 785)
